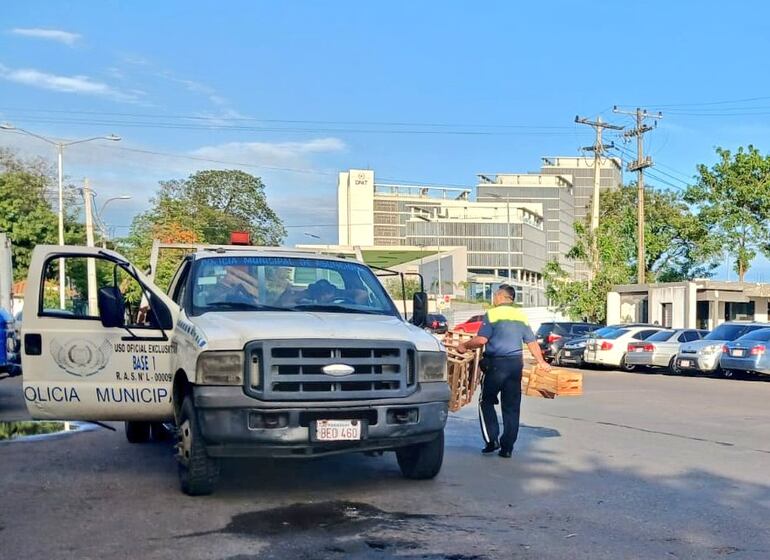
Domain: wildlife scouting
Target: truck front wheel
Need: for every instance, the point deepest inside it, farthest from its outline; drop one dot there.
(137, 432)
(423, 460)
(198, 473)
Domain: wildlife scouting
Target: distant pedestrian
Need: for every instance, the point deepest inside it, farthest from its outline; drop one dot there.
(503, 333)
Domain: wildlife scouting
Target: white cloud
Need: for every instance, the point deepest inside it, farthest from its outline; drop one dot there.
(69, 84)
(64, 37)
(269, 153)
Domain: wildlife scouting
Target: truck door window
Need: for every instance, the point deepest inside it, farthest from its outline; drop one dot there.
(180, 289)
(80, 294)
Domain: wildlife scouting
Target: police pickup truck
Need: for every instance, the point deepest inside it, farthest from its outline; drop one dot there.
(250, 353)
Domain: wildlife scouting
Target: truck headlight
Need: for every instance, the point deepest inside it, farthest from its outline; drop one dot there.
(431, 366)
(220, 368)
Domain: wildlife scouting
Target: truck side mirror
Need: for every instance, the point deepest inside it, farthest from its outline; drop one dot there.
(420, 309)
(112, 307)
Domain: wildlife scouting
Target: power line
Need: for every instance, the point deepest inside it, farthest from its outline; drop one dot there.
(214, 124)
(627, 153)
(289, 121)
(705, 103)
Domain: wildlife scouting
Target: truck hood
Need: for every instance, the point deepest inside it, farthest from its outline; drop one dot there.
(697, 345)
(231, 330)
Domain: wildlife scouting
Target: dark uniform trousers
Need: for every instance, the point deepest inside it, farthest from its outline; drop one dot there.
(502, 376)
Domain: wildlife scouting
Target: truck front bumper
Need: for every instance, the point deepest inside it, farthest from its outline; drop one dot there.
(236, 425)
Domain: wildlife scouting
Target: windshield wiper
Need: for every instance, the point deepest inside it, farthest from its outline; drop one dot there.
(243, 306)
(334, 308)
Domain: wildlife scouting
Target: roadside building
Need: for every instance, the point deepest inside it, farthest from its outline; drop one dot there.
(702, 304)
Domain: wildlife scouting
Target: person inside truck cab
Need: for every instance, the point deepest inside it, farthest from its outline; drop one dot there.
(236, 285)
(322, 292)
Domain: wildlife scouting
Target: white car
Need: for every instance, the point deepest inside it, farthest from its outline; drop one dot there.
(610, 348)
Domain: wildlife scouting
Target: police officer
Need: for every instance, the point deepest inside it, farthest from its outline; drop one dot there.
(504, 331)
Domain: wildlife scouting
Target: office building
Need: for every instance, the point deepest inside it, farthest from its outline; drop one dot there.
(554, 192)
(505, 240)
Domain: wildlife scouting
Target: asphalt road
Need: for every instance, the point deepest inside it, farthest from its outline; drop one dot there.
(641, 466)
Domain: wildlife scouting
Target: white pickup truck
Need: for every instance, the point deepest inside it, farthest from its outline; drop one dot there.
(250, 353)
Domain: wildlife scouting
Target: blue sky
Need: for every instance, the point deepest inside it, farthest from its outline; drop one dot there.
(299, 91)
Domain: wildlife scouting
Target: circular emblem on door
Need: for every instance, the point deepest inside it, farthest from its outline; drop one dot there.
(81, 357)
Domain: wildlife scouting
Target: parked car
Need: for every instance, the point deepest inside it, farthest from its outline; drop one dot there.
(436, 323)
(611, 348)
(471, 326)
(660, 349)
(571, 352)
(702, 356)
(747, 354)
(552, 335)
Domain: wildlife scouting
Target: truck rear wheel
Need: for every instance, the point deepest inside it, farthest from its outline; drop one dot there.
(137, 432)
(198, 473)
(423, 460)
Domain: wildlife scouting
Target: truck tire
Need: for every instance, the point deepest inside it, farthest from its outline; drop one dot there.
(423, 460)
(137, 432)
(198, 473)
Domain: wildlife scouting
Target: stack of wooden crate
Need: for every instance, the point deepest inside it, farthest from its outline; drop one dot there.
(549, 384)
(463, 372)
(464, 376)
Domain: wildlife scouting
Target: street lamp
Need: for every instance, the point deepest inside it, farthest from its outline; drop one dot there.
(100, 214)
(60, 152)
(508, 230)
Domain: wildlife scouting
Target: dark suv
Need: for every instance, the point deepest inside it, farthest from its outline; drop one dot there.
(436, 323)
(551, 336)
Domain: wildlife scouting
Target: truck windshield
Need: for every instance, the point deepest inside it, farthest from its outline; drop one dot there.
(242, 283)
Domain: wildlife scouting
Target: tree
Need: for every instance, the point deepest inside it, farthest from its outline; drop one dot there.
(677, 248)
(396, 291)
(204, 208)
(25, 214)
(733, 197)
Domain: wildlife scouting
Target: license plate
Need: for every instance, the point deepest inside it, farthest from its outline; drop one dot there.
(567, 354)
(738, 352)
(685, 363)
(338, 430)
(638, 349)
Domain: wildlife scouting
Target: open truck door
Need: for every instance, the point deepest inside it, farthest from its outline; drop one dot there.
(103, 350)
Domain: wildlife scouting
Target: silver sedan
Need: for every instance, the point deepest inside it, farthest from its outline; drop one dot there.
(660, 349)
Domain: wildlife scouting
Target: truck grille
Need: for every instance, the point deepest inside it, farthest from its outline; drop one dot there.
(291, 371)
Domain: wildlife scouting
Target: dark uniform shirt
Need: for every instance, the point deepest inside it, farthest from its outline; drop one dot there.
(506, 329)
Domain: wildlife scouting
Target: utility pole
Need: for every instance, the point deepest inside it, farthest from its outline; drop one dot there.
(639, 166)
(93, 305)
(598, 149)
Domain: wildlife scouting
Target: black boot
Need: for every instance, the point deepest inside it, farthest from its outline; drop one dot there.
(491, 447)
(505, 453)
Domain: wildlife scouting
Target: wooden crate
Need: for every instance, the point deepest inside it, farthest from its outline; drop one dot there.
(556, 382)
(463, 372)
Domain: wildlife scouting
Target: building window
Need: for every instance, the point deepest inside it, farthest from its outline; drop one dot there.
(739, 311)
